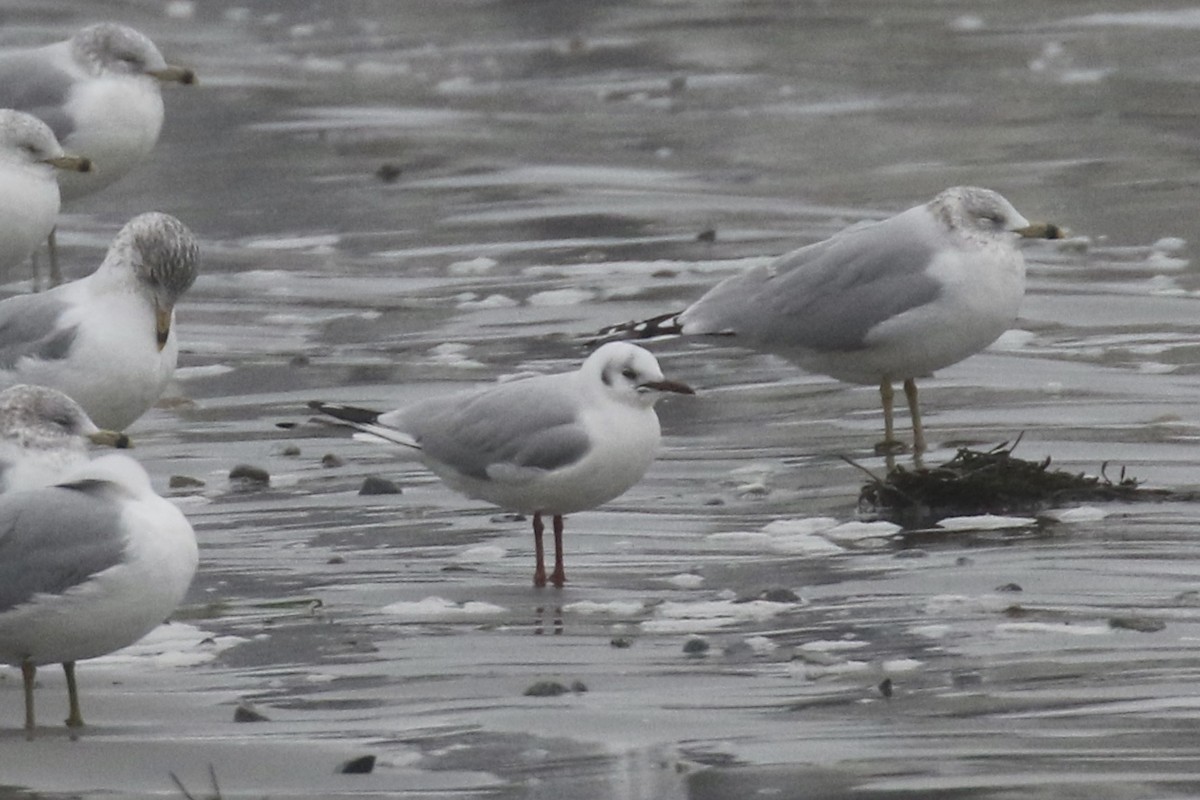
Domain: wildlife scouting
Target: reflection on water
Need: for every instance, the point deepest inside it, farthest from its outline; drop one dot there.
(402, 199)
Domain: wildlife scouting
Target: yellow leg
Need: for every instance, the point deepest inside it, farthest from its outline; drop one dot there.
(914, 409)
(74, 718)
(889, 445)
(28, 673)
(55, 272)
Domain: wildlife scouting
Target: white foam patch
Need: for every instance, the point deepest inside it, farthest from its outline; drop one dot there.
(177, 644)
(900, 665)
(439, 609)
(491, 301)
(482, 554)
(850, 532)
(616, 608)
(686, 580)
(708, 615)
(985, 522)
(474, 266)
(1080, 514)
(561, 297)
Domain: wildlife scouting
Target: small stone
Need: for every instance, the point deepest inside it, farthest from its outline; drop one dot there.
(1010, 587)
(388, 173)
(620, 642)
(546, 689)
(246, 712)
(298, 361)
(708, 235)
(184, 482)
(1139, 624)
(885, 687)
(332, 460)
(578, 687)
(714, 501)
(245, 478)
(696, 646)
(336, 560)
(290, 451)
(373, 484)
(779, 595)
(363, 765)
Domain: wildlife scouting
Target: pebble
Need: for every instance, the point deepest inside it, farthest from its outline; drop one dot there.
(245, 478)
(373, 484)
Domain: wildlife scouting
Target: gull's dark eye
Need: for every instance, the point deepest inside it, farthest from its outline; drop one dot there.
(629, 373)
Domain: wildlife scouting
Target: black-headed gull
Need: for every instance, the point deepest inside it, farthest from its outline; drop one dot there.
(549, 445)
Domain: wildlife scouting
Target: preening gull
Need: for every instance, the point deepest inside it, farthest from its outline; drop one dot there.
(107, 340)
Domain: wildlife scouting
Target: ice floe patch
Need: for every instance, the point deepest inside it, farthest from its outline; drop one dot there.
(177, 644)
(439, 609)
(985, 522)
(453, 354)
(474, 266)
(806, 536)
(1079, 514)
(710, 615)
(616, 608)
(482, 554)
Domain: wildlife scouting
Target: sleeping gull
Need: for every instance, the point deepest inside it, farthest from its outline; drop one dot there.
(107, 339)
(100, 92)
(876, 303)
(43, 434)
(548, 445)
(87, 566)
(30, 156)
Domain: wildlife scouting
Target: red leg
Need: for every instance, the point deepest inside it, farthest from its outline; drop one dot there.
(559, 577)
(539, 552)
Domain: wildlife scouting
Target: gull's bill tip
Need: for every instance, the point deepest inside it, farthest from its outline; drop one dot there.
(668, 386)
(71, 163)
(107, 438)
(162, 326)
(174, 74)
(1041, 230)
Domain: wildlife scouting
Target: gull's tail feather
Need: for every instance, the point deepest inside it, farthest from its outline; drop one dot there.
(662, 325)
(366, 422)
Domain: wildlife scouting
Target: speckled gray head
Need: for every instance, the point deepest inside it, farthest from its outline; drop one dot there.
(978, 212)
(40, 417)
(25, 139)
(164, 256)
(109, 47)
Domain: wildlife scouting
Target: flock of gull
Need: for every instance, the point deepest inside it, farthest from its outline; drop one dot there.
(91, 558)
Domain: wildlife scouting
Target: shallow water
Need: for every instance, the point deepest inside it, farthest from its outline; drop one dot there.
(552, 167)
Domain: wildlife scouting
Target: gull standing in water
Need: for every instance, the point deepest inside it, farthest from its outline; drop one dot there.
(87, 566)
(107, 340)
(876, 303)
(30, 156)
(99, 91)
(548, 445)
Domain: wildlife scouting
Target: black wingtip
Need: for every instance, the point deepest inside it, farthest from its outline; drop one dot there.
(662, 325)
(352, 414)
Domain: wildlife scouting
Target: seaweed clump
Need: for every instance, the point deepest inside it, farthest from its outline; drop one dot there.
(989, 482)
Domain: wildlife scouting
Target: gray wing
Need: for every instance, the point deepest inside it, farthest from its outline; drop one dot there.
(828, 295)
(29, 326)
(531, 423)
(31, 82)
(55, 538)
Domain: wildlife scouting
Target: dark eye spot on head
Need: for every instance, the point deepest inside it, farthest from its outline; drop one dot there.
(629, 373)
(606, 377)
